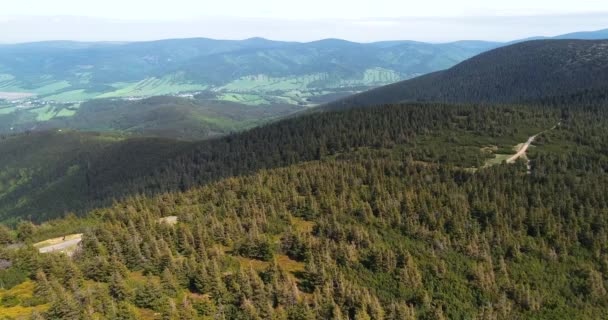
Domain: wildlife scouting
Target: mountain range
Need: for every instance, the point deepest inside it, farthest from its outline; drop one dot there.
(67, 71)
(74, 71)
(60, 84)
(96, 86)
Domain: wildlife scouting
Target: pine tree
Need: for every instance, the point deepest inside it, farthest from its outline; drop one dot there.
(25, 231)
(63, 305)
(186, 311)
(169, 283)
(124, 311)
(148, 295)
(168, 309)
(42, 289)
(119, 289)
(6, 236)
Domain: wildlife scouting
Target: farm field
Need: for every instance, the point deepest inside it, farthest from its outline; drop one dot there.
(151, 87)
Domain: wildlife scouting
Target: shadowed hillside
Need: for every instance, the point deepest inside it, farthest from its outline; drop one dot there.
(163, 116)
(528, 72)
(95, 172)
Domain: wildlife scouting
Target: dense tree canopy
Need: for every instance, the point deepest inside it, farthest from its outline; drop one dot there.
(526, 72)
(380, 223)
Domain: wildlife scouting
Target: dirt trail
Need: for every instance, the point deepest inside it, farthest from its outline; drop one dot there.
(66, 244)
(522, 150)
(60, 246)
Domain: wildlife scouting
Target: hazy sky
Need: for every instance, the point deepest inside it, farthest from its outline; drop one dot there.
(370, 20)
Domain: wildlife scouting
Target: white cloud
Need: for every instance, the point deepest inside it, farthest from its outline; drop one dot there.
(433, 29)
(285, 9)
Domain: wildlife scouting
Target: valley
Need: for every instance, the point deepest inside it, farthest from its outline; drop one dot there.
(43, 85)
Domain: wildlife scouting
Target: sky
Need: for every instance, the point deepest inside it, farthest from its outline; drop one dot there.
(355, 20)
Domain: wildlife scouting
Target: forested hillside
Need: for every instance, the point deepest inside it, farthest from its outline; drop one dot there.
(528, 72)
(162, 116)
(44, 174)
(386, 221)
(95, 175)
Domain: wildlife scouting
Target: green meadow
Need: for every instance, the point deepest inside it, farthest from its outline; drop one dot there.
(151, 87)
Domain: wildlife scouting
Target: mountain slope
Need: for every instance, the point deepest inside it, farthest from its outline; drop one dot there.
(374, 232)
(95, 175)
(162, 116)
(150, 166)
(524, 72)
(46, 173)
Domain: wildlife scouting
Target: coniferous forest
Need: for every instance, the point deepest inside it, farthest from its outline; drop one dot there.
(392, 212)
(526, 72)
(93, 170)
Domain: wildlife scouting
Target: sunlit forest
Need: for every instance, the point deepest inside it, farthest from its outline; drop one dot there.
(380, 213)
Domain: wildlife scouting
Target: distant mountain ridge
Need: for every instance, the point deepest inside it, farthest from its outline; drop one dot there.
(586, 35)
(68, 71)
(48, 85)
(102, 68)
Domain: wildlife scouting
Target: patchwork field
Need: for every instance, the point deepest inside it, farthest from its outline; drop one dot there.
(44, 102)
(152, 87)
(265, 83)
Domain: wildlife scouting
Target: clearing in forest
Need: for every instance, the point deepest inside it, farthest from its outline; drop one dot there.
(66, 244)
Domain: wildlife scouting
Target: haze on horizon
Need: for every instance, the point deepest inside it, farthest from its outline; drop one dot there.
(355, 20)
